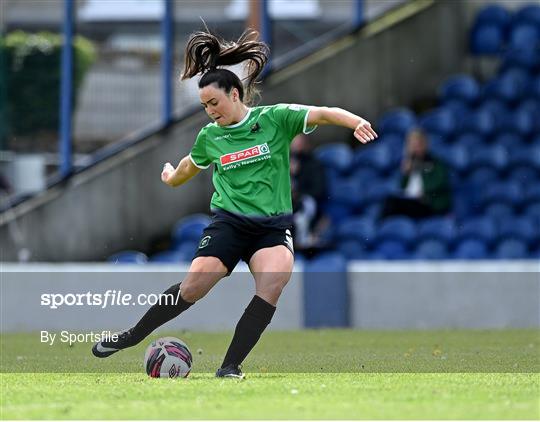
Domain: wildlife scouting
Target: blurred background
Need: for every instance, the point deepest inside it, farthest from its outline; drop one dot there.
(84, 130)
(91, 106)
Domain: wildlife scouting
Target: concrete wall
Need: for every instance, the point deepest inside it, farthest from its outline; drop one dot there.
(381, 296)
(121, 203)
(490, 295)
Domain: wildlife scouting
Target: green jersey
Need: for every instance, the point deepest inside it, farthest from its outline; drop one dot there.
(251, 159)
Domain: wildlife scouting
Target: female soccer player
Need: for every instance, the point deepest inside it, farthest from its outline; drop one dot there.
(251, 205)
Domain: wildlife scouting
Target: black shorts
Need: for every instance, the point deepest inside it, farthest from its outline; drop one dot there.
(232, 239)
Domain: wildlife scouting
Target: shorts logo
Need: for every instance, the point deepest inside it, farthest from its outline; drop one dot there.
(288, 240)
(245, 154)
(204, 242)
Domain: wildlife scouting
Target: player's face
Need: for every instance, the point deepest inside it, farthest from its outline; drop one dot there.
(416, 145)
(218, 104)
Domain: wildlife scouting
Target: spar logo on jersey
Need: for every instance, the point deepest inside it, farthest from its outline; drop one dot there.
(246, 156)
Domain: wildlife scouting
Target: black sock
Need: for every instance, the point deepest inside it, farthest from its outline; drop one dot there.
(256, 317)
(160, 313)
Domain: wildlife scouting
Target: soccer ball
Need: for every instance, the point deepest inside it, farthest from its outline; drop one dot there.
(168, 357)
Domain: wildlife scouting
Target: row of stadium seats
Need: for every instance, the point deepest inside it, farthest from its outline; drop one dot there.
(394, 238)
(515, 37)
(466, 156)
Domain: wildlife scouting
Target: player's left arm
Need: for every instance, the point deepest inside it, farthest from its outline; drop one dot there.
(339, 117)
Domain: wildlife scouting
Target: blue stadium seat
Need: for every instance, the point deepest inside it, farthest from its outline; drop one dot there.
(510, 141)
(437, 144)
(346, 191)
(521, 121)
(525, 157)
(523, 229)
(528, 14)
(337, 212)
(471, 249)
(509, 89)
(128, 257)
(511, 249)
(482, 176)
(336, 156)
(499, 211)
(521, 75)
(533, 90)
(352, 249)
(481, 122)
(528, 58)
(496, 107)
(431, 250)
(379, 191)
(394, 141)
(526, 175)
(365, 174)
(375, 256)
(532, 194)
(523, 37)
(460, 87)
(439, 121)
(462, 208)
(378, 156)
(458, 108)
(171, 257)
(532, 105)
(188, 249)
(372, 211)
(401, 229)
(358, 229)
(494, 156)
(189, 228)
(480, 229)
(469, 141)
(510, 193)
(437, 228)
(392, 249)
(486, 39)
(456, 157)
(495, 14)
(532, 211)
(398, 121)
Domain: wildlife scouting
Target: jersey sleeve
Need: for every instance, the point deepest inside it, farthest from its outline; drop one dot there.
(293, 119)
(198, 154)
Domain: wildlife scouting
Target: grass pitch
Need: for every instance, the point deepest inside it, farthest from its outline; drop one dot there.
(327, 374)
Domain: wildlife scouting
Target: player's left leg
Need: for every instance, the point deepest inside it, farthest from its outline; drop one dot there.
(271, 268)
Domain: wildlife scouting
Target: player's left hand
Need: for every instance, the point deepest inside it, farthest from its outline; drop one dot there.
(167, 172)
(364, 132)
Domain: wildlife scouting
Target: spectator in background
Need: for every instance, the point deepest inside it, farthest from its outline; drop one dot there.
(424, 182)
(308, 185)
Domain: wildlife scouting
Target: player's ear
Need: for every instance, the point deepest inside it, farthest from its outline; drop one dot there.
(235, 94)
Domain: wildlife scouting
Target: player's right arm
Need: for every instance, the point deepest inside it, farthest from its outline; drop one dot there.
(181, 174)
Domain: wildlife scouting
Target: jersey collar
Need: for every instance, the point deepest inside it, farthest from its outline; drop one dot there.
(241, 122)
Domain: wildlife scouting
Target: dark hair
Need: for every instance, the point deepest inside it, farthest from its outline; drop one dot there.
(205, 52)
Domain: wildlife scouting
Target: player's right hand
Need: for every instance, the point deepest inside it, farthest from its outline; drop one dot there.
(167, 172)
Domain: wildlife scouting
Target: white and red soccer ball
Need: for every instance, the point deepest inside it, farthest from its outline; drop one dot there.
(168, 357)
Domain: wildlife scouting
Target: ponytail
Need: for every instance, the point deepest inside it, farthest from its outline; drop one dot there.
(205, 53)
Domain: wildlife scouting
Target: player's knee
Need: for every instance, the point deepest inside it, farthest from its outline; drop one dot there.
(272, 290)
(191, 292)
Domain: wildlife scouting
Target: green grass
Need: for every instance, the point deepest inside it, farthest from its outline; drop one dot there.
(328, 374)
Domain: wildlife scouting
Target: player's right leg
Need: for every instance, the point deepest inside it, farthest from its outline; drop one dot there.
(204, 273)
